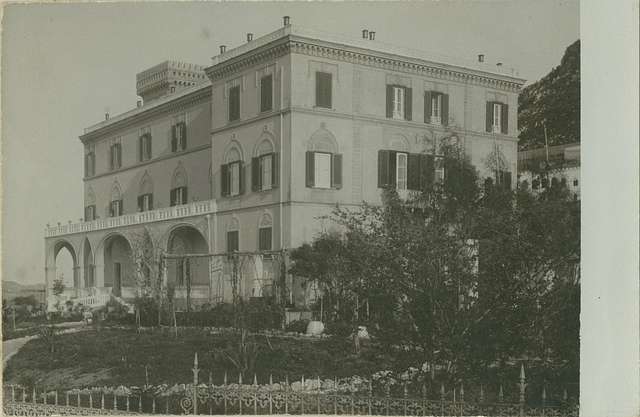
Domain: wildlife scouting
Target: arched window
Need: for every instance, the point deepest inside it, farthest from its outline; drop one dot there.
(145, 195)
(265, 234)
(90, 206)
(178, 194)
(323, 162)
(232, 178)
(115, 205)
(264, 167)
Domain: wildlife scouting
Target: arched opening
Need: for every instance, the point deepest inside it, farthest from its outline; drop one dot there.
(119, 270)
(189, 273)
(89, 266)
(66, 265)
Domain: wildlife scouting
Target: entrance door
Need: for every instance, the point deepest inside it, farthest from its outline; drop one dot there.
(117, 279)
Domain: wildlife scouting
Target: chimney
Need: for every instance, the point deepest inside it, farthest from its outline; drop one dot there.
(365, 34)
(106, 116)
(481, 58)
(249, 37)
(372, 35)
(223, 48)
(139, 103)
(286, 20)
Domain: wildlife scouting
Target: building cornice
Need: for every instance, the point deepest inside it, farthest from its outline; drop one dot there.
(170, 104)
(290, 43)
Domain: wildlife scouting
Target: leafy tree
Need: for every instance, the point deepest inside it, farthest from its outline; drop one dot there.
(555, 101)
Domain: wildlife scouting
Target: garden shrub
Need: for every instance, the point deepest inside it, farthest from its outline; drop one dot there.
(340, 328)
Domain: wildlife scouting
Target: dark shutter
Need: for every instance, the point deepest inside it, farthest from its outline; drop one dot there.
(224, 180)
(111, 152)
(140, 202)
(323, 89)
(241, 175)
(264, 238)
(408, 102)
(427, 168)
(180, 272)
(489, 116)
(86, 165)
(504, 119)
(233, 243)
(120, 207)
(383, 168)
(507, 179)
(185, 199)
(336, 171)
(444, 111)
(234, 103)
(413, 171)
(328, 90)
(256, 174)
(183, 135)
(150, 201)
(275, 170)
(427, 106)
(389, 101)
(310, 180)
(174, 138)
(172, 197)
(266, 94)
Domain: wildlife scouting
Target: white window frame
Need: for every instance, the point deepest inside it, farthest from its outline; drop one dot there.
(326, 157)
(234, 178)
(266, 171)
(436, 108)
(402, 171)
(398, 103)
(497, 117)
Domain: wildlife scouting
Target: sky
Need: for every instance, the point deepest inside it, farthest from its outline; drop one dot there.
(64, 65)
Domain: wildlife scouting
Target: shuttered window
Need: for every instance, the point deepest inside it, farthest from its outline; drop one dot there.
(234, 178)
(234, 103)
(115, 160)
(115, 208)
(399, 102)
(90, 213)
(266, 93)
(323, 90)
(323, 170)
(145, 202)
(178, 196)
(144, 147)
(436, 108)
(90, 164)
(405, 171)
(233, 242)
(264, 172)
(264, 238)
(497, 117)
(503, 179)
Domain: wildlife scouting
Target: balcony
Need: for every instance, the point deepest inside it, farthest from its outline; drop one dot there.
(196, 208)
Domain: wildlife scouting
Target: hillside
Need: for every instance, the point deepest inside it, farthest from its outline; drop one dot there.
(554, 100)
(12, 289)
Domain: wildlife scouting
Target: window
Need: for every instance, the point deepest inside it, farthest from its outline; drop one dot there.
(183, 271)
(115, 160)
(405, 171)
(264, 171)
(145, 202)
(90, 164)
(115, 208)
(266, 93)
(178, 138)
(401, 171)
(233, 242)
(436, 108)
(323, 90)
(178, 196)
(264, 238)
(234, 103)
(497, 117)
(144, 147)
(398, 102)
(90, 213)
(232, 177)
(575, 183)
(324, 170)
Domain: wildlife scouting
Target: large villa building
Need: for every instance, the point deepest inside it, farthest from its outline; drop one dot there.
(247, 153)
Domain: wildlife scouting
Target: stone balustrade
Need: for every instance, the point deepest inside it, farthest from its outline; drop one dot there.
(166, 213)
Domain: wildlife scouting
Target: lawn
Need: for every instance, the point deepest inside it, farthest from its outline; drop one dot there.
(119, 357)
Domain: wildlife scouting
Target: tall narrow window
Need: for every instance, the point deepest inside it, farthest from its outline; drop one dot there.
(266, 93)
(233, 243)
(232, 175)
(264, 238)
(398, 103)
(115, 160)
(178, 196)
(145, 202)
(322, 173)
(497, 114)
(234, 178)
(115, 208)
(178, 137)
(323, 89)
(266, 171)
(90, 213)
(234, 103)
(323, 170)
(497, 117)
(401, 171)
(144, 147)
(90, 164)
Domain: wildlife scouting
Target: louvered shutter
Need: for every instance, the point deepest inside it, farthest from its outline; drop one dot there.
(427, 106)
(224, 182)
(389, 101)
(489, 116)
(328, 90)
(310, 171)
(241, 177)
(336, 171)
(445, 110)
(256, 175)
(275, 170)
(383, 168)
(504, 119)
(140, 203)
(408, 103)
(413, 171)
(172, 197)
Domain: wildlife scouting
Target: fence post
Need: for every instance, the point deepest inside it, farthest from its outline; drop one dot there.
(102, 401)
(115, 401)
(195, 384)
(404, 400)
(522, 387)
(270, 396)
(56, 396)
(140, 403)
(442, 397)
(335, 395)
(481, 393)
(255, 394)
(224, 391)
(13, 393)
(544, 397)
(153, 405)
(90, 399)
(78, 399)
(318, 398)
(424, 399)
(302, 395)
(370, 395)
(34, 395)
(286, 394)
(500, 394)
